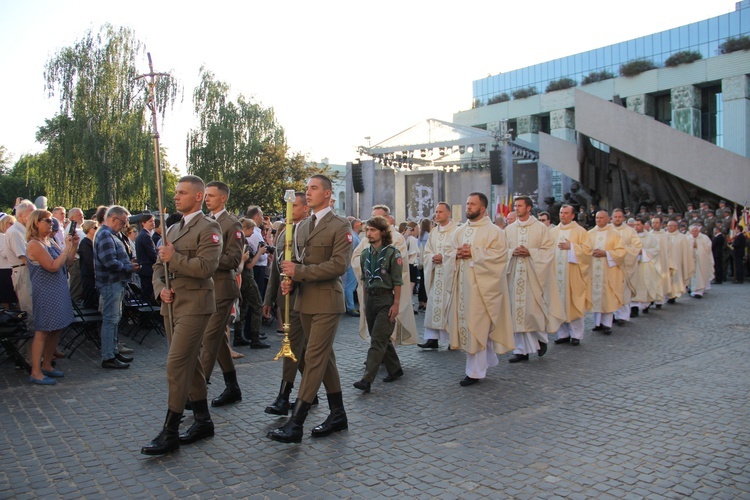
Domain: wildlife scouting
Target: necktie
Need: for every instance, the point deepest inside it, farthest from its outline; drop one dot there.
(313, 219)
(212, 217)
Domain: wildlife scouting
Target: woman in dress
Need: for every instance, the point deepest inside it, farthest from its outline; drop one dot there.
(53, 310)
(86, 252)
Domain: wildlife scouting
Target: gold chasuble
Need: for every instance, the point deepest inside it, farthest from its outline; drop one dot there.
(438, 277)
(572, 278)
(607, 279)
(535, 299)
(479, 310)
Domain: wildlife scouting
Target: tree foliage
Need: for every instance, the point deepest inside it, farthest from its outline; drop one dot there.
(683, 57)
(99, 148)
(735, 44)
(561, 84)
(636, 67)
(597, 76)
(241, 143)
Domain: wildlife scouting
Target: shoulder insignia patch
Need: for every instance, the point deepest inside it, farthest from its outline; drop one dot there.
(349, 237)
(400, 262)
(215, 238)
(239, 235)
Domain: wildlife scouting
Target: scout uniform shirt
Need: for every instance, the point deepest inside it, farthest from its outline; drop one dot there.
(381, 270)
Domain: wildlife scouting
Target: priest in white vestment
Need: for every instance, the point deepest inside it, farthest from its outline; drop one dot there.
(438, 277)
(572, 260)
(607, 278)
(704, 262)
(535, 302)
(647, 278)
(632, 244)
(479, 314)
(405, 329)
(663, 262)
(681, 253)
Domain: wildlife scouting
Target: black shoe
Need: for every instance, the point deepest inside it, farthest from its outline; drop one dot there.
(392, 378)
(262, 336)
(634, 312)
(315, 402)
(228, 396)
(115, 364)
(429, 344)
(658, 306)
(335, 422)
(168, 439)
(281, 405)
(607, 331)
(645, 311)
(199, 430)
(259, 345)
(671, 301)
(598, 328)
(231, 394)
(542, 349)
(468, 381)
(363, 385)
(240, 343)
(620, 322)
(575, 341)
(353, 312)
(518, 357)
(291, 431)
(123, 359)
(565, 340)
(697, 296)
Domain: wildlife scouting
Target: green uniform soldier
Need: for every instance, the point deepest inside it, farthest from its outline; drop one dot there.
(381, 267)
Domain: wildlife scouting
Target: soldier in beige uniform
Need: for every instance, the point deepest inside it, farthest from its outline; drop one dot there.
(324, 245)
(192, 249)
(227, 290)
(273, 294)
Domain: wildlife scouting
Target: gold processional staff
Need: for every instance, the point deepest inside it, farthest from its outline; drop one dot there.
(286, 349)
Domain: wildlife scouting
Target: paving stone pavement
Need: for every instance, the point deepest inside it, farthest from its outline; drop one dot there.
(659, 409)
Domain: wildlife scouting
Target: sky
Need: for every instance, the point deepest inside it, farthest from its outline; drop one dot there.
(335, 72)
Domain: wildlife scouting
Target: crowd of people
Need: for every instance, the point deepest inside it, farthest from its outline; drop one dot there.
(485, 288)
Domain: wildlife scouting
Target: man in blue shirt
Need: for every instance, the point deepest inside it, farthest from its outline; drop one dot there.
(112, 269)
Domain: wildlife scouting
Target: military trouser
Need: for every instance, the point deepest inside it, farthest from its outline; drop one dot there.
(380, 327)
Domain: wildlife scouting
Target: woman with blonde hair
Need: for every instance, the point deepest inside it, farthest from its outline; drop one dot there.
(53, 310)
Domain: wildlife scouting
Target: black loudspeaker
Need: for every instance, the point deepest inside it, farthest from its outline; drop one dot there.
(357, 180)
(496, 167)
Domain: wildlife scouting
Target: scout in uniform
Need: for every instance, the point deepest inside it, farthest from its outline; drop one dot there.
(381, 268)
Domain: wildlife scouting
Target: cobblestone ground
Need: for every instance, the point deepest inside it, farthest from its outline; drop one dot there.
(658, 409)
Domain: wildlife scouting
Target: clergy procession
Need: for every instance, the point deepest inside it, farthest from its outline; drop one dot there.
(491, 290)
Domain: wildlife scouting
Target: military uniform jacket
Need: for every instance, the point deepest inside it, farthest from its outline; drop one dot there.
(225, 278)
(197, 250)
(325, 251)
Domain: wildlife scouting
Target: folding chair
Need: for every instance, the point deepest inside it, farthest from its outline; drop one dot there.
(141, 313)
(85, 326)
(13, 336)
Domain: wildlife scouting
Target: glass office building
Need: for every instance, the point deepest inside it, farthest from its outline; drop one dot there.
(703, 36)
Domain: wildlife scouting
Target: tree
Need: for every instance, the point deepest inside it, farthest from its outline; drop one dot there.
(241, 143)
(99, 148)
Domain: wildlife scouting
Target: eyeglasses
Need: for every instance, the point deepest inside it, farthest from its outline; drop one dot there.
(48, 221)
(124, 221)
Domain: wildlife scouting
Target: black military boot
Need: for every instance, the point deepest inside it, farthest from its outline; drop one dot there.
(336, 420)
(291, 431)
(232, 392)
(281, 405)
(168, 439)
(202, 427)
